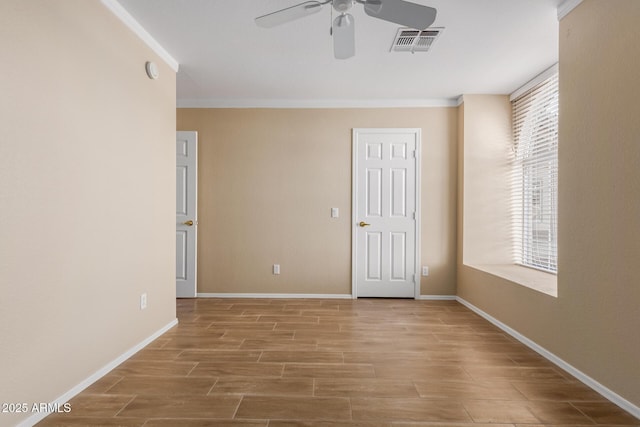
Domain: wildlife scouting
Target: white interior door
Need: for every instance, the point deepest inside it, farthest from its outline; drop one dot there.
(385, 211)
(186, 212)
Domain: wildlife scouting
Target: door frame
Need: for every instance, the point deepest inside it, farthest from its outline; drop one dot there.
(417, 132)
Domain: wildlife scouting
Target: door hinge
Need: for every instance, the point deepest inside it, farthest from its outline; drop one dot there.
(414, 278)
(413, 154)
(413, 215)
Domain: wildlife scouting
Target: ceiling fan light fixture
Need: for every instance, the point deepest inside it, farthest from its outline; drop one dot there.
(343, 20)
(344, 36)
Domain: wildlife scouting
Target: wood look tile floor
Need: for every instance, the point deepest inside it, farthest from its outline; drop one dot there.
(366, 363)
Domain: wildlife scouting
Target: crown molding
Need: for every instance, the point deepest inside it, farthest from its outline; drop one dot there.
(567, 6)
(317, 103)
(121, 13)
(554, 69)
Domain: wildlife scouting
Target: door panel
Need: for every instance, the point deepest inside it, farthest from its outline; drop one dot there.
(374, 192)
(398, 193)
(181, 190)
(385, 205)
(374, 256)
(181, 255)
(398, 256)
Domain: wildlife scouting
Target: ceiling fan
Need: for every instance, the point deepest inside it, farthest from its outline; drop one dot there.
(400, 12)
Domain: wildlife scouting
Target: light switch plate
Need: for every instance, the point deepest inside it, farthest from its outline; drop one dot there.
(335, 212)
(276, 268)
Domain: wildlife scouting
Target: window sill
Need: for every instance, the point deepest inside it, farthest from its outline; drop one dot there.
(546, 283)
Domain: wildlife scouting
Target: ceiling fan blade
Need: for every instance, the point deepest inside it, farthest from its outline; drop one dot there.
(401, 12)
(344, 36)
(289, 14)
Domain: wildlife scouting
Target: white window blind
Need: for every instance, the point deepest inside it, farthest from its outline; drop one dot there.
(535, 176)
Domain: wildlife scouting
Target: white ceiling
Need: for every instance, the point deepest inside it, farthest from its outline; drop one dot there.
(488, 46)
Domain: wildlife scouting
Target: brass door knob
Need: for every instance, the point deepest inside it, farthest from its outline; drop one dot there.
(189, 223)
(363, 224)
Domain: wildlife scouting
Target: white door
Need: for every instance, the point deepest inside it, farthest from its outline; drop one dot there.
(385, 207)
(186, 213)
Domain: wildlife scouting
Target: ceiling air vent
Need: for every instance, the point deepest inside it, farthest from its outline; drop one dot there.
(408, 40)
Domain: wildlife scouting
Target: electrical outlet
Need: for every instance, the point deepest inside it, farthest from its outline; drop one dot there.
(425, 271)
(143, 301)
(276, 268)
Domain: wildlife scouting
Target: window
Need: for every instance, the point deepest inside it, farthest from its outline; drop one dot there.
(535, 176)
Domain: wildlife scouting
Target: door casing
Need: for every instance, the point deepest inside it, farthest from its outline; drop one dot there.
(417, 132)
(186, 236)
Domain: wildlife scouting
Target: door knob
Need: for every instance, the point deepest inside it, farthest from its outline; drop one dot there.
(363, 224)
(189, 223)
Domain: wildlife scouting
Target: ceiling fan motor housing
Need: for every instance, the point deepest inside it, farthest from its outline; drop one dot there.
(342, 6)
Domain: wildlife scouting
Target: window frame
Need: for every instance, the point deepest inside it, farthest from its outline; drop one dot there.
(535, 160)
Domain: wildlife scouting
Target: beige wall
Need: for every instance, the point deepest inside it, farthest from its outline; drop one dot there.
(486, 194)
(87, 152)
(593, 324)
(267, 181)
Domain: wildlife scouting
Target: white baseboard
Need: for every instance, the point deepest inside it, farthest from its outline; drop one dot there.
(586, 379)
(292, 296)
(35, 418)
(437, 298)
(313, 296)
